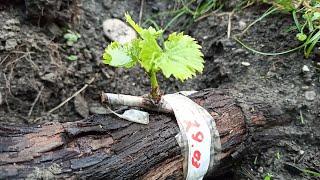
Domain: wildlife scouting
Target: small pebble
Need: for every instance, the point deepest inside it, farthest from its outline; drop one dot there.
(12, 21)
(117, 30)
(245, 64)
(305, 88)
(11, 44)
(308, 78)
(310, 95)
(260, 170)
(155, 9)
(301, 152)
(271, 74)
(305, 68)
(87, 54)
(228, 43)
(242, 24)
(51, 77)
(238, 51)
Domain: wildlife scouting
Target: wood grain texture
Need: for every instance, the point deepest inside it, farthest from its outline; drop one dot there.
(108, 147)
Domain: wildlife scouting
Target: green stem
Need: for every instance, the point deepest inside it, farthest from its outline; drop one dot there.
(153, 79)
(155, 90)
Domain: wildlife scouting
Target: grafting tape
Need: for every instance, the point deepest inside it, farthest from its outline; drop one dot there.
(198, 138)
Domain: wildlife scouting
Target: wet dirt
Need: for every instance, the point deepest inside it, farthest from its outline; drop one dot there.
(36, 75)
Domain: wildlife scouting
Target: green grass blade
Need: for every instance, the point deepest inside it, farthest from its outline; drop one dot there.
(313, 173)
(314, 41)
(204, 7)
(173, 19)
(267, 53)
(154, 24)
(296, 21)
(315, 36)
(186, 8)
(265, 14)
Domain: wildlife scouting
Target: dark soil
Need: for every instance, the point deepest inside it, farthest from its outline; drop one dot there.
(33, 63)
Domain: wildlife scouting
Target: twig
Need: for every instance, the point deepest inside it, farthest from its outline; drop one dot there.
(74, 95)
(247, 5)
(2, 61)
(105, 73)
(16, 60)
(8, 85)
(230, 14)
(35, 101)
(29, 59)
(141, 11)
(21, 52)
(213, 13)
(229, 24)
(306, 4)
(207, 15)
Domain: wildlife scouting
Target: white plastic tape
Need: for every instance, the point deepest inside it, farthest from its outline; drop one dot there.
(197, 137)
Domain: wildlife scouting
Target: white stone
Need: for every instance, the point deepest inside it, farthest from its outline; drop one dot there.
(301, 152)
(305, 68)
(51, 77)
(117, 30)
(310, 95)
(245, 63)
(11, 44)
(260, 169)
(242, 24)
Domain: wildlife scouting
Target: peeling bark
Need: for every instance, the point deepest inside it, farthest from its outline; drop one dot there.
(108, 147)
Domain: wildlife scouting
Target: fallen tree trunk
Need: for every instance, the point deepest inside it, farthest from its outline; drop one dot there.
(108, 147)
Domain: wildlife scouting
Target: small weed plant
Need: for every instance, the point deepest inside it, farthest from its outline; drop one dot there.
(71, 38)
(268, 176)
(178, 56)
(185, 13)
(306, 17)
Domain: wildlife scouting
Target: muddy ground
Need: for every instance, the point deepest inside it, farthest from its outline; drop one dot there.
(36, 75)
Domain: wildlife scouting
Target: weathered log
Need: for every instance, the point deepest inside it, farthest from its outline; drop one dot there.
(108, 147)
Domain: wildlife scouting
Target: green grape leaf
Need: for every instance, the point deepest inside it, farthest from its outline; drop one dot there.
(181, 57)
(150, 51)
(144, 33)
(121, 55)
(135, 26)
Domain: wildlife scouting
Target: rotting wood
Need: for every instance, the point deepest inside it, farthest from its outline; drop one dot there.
(111, 148)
